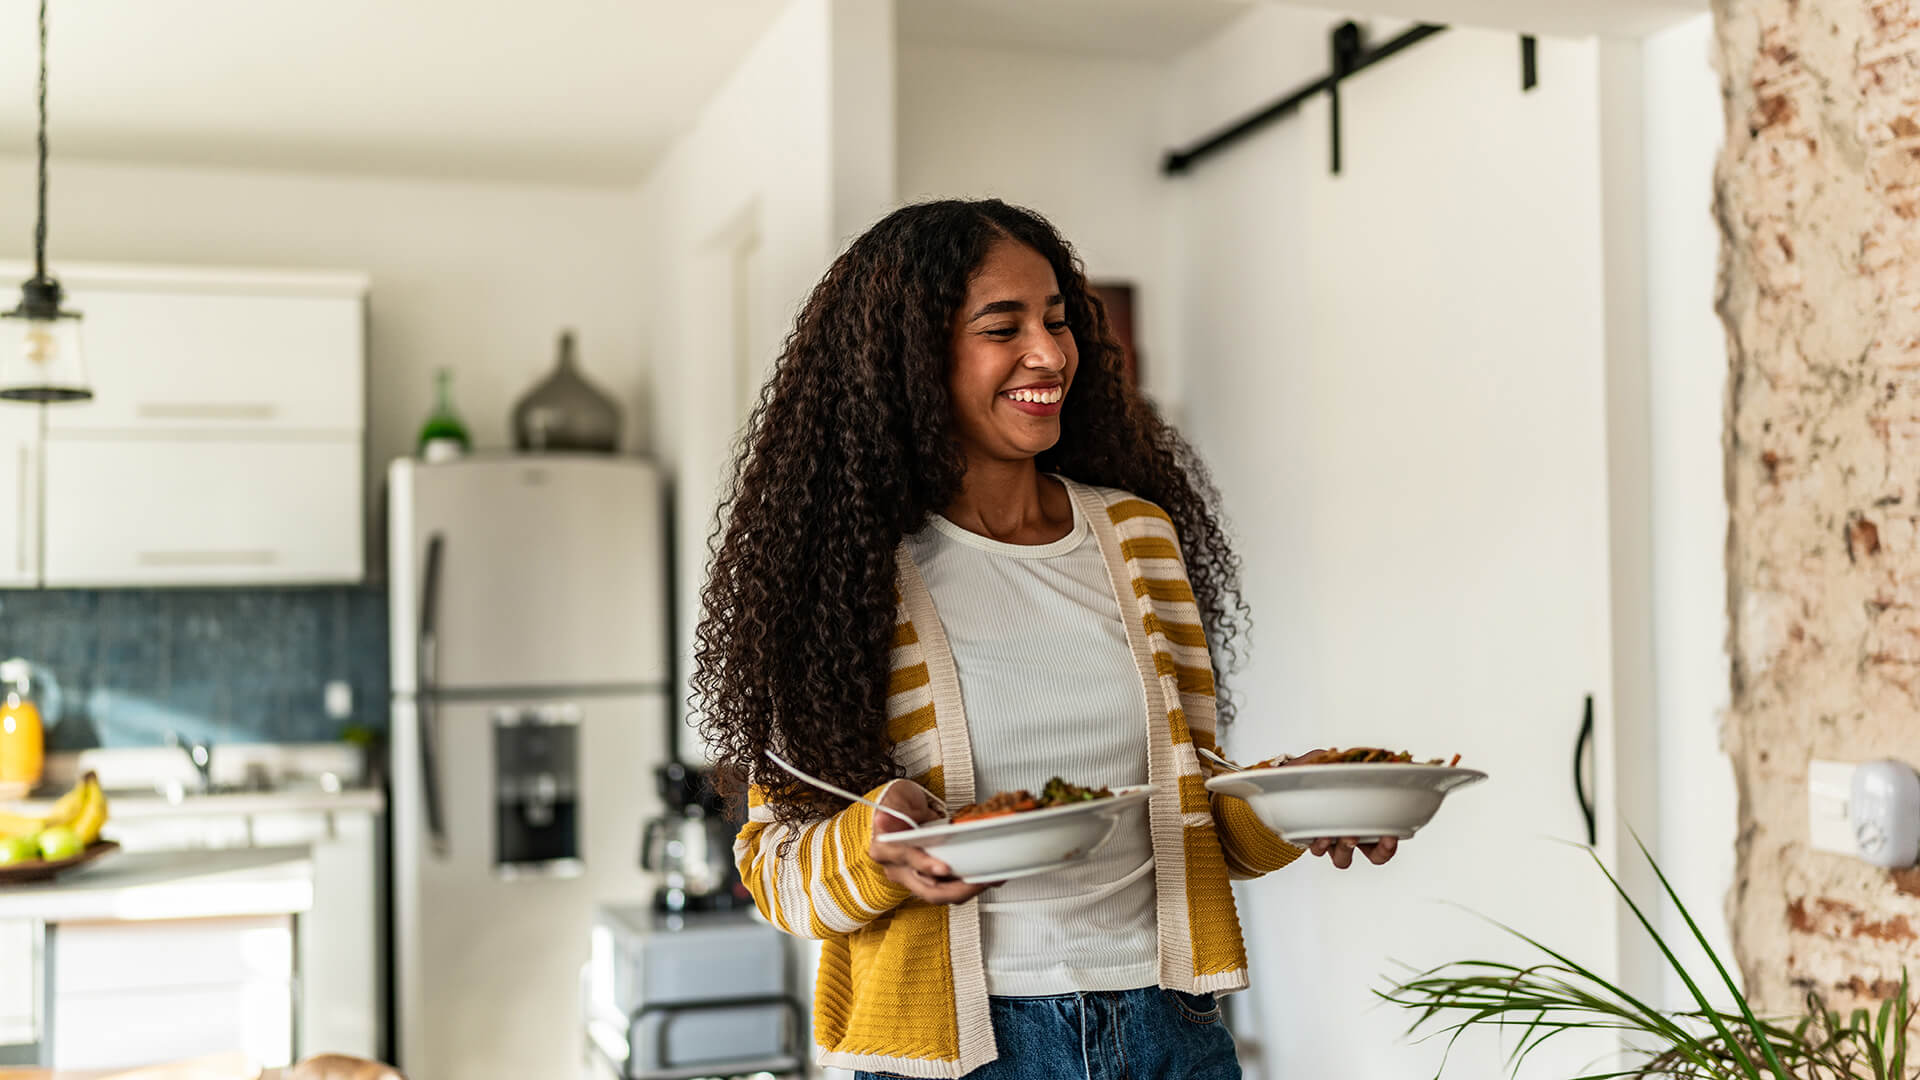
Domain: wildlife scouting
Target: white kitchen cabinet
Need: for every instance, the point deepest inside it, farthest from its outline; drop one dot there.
(130, 993)
(163, 357)
(190, 349)
(339, 961)
(211, 832)
(19, 495)
(339, 952)
(224, 444)
(185, 511)
(19, 978)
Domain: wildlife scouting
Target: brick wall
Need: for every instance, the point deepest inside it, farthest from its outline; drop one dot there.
(1818, 196)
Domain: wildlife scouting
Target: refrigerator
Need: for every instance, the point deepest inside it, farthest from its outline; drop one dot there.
(530, 669)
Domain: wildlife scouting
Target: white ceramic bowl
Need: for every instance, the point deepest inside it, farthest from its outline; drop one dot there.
(1366, 802)
(1021, 845)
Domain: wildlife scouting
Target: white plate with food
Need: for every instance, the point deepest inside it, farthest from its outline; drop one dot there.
(1365, 794)
(1016, 835)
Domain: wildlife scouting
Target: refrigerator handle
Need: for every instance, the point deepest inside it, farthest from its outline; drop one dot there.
(429, 674)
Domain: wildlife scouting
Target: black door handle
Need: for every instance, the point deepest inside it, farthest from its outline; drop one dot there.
(426, 706)
(1581, 746)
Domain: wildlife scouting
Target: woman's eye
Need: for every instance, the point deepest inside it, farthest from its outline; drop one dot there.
(1003, 333)
(1057, 327)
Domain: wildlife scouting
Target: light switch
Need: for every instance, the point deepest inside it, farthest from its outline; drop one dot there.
(339, 700)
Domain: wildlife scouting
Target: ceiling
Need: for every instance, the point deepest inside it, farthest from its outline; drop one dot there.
(1564, 18)
(564, 91)
(1161, 29)
(1143, 29)
(577, 91)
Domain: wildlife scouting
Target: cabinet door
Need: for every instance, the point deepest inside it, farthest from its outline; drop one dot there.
(19, 495)
(168, 360)
(340, 984)
(169, 833)
(19, 974)
(201, 512)
(132, 993)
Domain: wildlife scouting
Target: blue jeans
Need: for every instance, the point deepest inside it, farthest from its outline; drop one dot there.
(1147, 1034)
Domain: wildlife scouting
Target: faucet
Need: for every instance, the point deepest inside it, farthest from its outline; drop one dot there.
(200, 753)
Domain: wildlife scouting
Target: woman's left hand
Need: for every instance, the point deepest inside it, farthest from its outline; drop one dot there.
(1341, 850)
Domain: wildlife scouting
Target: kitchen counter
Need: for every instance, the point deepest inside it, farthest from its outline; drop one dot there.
(216, 1067)
(200, 1069)
(127, 805)
(170, 885)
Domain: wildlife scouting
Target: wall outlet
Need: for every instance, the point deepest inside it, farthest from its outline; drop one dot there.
(1885, 808)
(1829, 790)
(339, 700)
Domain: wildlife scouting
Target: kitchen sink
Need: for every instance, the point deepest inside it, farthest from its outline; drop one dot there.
(180, 791)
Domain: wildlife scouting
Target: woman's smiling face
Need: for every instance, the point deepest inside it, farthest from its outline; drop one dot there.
(1013, 357)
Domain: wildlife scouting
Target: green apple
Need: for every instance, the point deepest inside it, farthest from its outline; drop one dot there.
(60, 842)
(18, 849)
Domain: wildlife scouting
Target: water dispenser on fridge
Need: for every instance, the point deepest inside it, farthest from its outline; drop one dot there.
(536, 783)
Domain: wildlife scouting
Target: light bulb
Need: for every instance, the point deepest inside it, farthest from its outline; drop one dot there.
(40, 347)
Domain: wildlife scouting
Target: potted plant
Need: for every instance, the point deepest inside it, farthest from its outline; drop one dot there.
(1559, 994)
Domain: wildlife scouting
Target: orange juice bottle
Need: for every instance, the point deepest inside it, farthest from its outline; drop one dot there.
(22, 738)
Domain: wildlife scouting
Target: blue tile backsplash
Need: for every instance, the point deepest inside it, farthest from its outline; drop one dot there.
(231, 665)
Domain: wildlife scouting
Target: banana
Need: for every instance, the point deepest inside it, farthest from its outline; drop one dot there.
(68, 806)
(20, 824)
(93, 811)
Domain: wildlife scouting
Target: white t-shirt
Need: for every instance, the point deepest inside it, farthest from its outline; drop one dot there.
(1050, 689)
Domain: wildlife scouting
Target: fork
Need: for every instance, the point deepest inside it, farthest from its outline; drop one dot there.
(809, 778)
(1220, 761)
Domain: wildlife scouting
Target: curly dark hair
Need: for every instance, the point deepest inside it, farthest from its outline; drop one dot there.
(849, 449)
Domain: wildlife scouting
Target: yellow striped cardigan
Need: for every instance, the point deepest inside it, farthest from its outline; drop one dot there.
(902, 984)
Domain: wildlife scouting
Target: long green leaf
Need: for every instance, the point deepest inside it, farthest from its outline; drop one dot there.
(1901, 1020)
(1698, 935)
(1654, 1017)
(1548, 999)
(1746, 1067)
(1494, 994)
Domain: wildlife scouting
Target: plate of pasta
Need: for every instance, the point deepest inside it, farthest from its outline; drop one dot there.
(1365, 793)
(1016, 834)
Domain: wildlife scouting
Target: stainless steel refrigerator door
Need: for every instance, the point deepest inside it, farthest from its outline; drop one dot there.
(489, 963)
(549, 571)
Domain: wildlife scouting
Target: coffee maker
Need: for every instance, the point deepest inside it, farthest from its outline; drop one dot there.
(691, 845)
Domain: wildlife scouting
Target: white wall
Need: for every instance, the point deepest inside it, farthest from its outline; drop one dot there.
(476, 277)
(1377, 364)
(1077, 138)
(1687, 359)
(793, 155)
(1666, 370)
(787, 163)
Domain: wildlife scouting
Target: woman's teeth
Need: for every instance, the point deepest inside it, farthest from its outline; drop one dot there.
(1049, 396)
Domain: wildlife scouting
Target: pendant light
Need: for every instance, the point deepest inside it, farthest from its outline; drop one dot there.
(40, 343)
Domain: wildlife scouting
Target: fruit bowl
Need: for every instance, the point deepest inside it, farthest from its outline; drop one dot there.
(1365, 802)
(29, 870)
(1024, 844)
(41, 848)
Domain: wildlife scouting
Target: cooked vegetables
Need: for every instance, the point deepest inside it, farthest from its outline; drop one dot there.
(1359, 755)
(1057, 792)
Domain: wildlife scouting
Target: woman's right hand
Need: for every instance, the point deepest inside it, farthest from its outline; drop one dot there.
(911, 868)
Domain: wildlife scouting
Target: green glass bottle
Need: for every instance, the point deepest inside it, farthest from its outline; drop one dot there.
(444, 437)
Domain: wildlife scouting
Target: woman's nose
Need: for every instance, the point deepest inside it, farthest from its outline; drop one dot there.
(1046, 356)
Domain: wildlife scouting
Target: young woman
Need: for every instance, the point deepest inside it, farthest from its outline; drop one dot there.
(961, 556)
